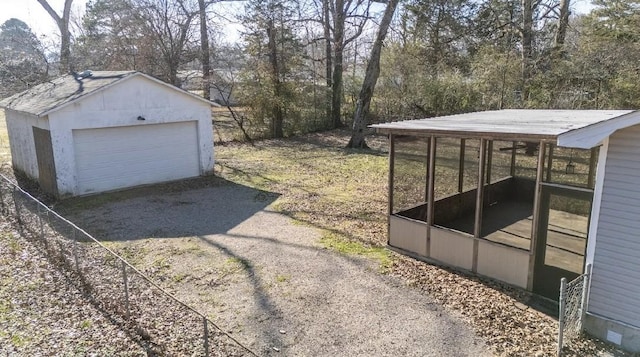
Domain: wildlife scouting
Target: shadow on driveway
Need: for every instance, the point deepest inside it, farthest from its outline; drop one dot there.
(198, 207)
(266, 279)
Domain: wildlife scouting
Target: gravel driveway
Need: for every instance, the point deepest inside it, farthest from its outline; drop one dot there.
(264, 278)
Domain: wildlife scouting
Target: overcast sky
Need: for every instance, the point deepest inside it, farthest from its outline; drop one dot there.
(31, 12)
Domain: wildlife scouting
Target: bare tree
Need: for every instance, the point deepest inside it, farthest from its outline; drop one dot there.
(370, 79)
(204, 48)
(169, 24)
(356, 12)
(65, 34)
(527, 46)
(278, 116)
(563, 23)
(326, 25)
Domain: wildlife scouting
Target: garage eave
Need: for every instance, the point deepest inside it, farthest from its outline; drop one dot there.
(58, 93)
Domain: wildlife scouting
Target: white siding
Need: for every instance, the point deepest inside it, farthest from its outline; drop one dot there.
(120, 106)
(23, 149)
(113, 158)
(615, 285)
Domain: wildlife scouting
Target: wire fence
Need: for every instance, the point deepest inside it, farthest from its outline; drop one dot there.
(159, 322)
(572, 308)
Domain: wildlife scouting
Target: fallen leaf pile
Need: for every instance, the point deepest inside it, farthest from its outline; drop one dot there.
(497, 312)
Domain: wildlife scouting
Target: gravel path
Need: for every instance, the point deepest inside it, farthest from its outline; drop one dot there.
(269, 281)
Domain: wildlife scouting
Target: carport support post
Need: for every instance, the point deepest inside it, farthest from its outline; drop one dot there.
(477, 228)
(392, 155)
(536, 215)
(512, 171)
(489, 159)
(430, 196)
(549, 163)
(592, 166)
(463, 145)
(427, 172)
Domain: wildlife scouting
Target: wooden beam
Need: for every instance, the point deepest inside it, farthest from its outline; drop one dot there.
(592, 167)
(430, 193)
(392, 154)
(427, 172)
(549, 163)
(463, 146)
(477, 228)
(489, 159)
(512, 171)
(536, 215)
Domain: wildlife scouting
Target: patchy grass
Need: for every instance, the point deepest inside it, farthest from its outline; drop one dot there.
(339, 244)
(322, 184)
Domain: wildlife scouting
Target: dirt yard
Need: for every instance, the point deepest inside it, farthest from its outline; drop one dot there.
(270, 281)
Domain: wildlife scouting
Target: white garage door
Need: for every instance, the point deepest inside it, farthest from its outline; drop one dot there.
(112, 158)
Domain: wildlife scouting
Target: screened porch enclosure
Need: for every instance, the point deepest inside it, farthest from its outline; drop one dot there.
(489, 198)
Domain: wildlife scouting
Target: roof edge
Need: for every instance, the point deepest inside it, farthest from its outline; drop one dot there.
(593, 135)
(466, 134)
(171, 86)
(125, 78)
(65, 104)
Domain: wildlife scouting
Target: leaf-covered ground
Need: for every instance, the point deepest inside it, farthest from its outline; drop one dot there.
(344, 191)
(43, 314)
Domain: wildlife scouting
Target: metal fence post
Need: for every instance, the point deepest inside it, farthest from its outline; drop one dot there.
(561, 307)
(15, 204)
(46, 245)
(126, 288)
(585, 294)
(3, 207)
(75, 250)
(41, 223)
(206, 336)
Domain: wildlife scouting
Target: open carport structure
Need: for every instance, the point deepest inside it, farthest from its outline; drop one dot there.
(514, 195)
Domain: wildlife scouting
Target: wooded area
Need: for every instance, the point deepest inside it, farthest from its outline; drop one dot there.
(299, 66)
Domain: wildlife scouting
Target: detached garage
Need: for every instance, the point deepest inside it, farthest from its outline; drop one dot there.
(103, 131)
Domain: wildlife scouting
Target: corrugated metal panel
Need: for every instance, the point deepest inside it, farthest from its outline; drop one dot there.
(615, 287)
(112, 158)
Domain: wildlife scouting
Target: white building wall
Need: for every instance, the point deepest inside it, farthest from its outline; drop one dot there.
(615, 251)
(121, 105)
(23, 150)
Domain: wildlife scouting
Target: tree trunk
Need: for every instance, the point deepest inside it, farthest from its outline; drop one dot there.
(65, 35)
(370, 79)
(527, 41)
(204, 47)
(336, 88)
(329, 62)
(277, 120)
(338, 47)
(563, 23)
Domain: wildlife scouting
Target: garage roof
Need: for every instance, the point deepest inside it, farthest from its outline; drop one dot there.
(59, 92)
(575, 128)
